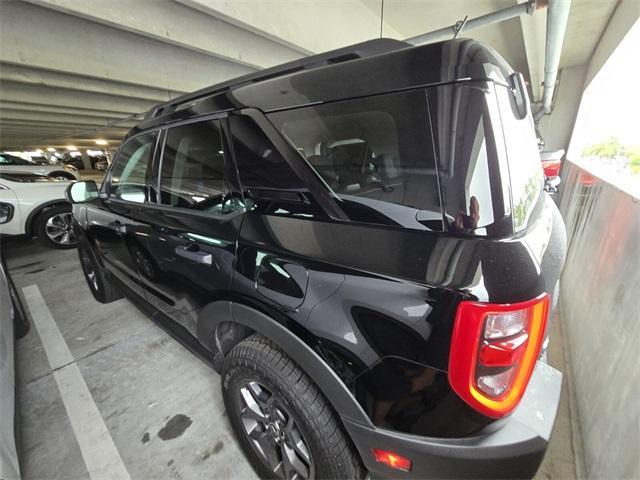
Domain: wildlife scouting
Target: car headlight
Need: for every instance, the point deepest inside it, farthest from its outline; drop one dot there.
(2, 187)
(66, 166)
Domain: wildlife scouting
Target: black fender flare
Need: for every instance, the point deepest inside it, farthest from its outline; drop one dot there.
(306, 358)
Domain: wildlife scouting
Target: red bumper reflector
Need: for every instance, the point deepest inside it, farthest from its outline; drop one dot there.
(392, 459)
(503, 354)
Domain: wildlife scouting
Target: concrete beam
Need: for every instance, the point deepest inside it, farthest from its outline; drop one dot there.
(68, 98)
(33, 76)
(22, 137)
(175, 24)
(39, 107)
(80, 47)
(311, 27)
(7, 115)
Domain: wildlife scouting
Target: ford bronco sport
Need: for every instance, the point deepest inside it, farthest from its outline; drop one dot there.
(360, 243)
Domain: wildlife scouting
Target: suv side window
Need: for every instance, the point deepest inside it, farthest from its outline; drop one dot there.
(192, 173)
(270, 184)
(129, 175)
(376, 154)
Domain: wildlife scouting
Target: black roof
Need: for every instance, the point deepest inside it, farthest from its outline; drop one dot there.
(372, 67)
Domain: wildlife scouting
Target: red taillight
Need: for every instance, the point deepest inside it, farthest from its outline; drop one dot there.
(551, 168)
(494, 348)
(392, 459)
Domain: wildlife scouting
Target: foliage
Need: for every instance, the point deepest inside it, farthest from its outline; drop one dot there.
(610, 148)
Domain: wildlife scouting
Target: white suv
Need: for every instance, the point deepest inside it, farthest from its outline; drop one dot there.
(35, 205)
(13, 164)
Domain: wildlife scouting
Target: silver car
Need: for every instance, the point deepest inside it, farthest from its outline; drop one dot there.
(12, 325)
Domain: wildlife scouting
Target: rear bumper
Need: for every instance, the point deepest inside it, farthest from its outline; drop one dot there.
(512, 449)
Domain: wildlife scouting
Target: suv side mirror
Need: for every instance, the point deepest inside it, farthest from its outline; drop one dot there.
(80, 192)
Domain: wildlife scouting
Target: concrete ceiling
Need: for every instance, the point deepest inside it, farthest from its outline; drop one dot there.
(72, 71)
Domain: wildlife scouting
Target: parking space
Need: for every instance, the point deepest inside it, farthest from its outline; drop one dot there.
(161, 405)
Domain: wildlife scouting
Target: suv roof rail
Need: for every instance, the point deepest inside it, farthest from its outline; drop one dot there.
(352, 52)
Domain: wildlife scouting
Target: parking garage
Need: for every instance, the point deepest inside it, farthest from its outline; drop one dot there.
(129, 389)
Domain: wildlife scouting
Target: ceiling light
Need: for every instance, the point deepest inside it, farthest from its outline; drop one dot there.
(71, 147)
(101, 142)
(51, 149)
(39, 150)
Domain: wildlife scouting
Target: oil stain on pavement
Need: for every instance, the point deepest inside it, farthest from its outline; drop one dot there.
(175, 427)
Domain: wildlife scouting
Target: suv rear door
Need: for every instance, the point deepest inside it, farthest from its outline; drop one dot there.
(191, 233)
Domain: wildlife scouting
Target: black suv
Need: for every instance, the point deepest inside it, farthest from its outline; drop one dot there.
(360, 243)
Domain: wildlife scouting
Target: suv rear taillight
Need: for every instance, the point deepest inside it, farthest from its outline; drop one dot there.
(494, 348)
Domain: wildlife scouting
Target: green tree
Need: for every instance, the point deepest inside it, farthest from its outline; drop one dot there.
(633, 154)
(610, 148)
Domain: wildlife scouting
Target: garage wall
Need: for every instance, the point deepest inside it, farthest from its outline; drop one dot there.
(601, 320)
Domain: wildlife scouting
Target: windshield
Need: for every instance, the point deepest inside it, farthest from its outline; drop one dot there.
(27, 177)
(6, 159)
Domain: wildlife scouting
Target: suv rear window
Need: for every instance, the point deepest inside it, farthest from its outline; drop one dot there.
(376, 154)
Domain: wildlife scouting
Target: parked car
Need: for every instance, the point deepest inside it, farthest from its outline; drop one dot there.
(39, 160)
(101, 164)
(13, 164)
(551, 162)
(35, 205)
(13, 325)
(360, 243)
(73, 158)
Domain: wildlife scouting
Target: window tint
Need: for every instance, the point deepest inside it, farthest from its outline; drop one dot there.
(268, 180)
(376, 154)
(192, 174)
(131, 168)
(259, 163)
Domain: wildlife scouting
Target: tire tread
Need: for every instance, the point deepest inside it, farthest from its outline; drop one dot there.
(261, 355)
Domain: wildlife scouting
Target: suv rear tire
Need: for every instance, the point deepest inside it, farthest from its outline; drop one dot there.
(102, 288)
(278, 414)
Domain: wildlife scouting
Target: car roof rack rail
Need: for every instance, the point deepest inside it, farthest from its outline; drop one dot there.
(352, 52)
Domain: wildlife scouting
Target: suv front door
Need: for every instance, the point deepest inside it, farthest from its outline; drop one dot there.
(113, 221)
(193, 227)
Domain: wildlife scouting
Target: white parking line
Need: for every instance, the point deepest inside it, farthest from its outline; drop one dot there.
(100, 454)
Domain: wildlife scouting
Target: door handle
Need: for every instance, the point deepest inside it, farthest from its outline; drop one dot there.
(119, 227)
(197, 256)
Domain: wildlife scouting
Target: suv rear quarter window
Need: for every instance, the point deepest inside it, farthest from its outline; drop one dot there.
(471, 159)
(525, 166)
(375, 154)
